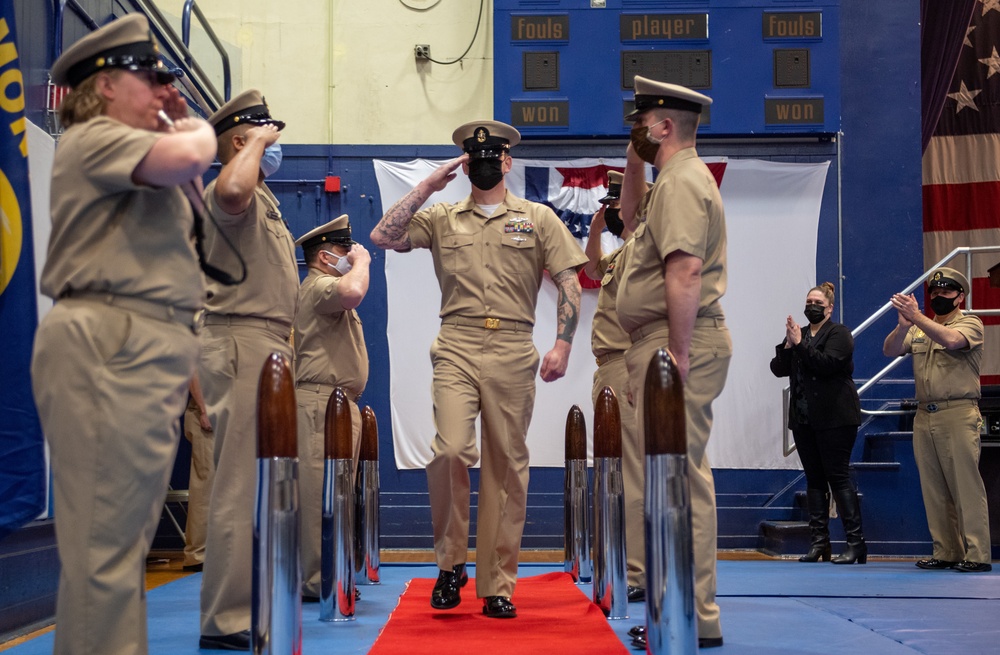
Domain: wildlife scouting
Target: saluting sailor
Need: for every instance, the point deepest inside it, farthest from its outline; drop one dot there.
(489, 253)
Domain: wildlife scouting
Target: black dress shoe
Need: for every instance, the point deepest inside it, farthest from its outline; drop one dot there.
(636, 594)
(498, 607)
(235, 641)
(966, 566)
(935, 564)
(637, 631)
(447, 589)
(639, 640)
(194, 568)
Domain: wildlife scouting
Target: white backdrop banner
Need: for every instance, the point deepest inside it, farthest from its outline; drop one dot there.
(772, 217)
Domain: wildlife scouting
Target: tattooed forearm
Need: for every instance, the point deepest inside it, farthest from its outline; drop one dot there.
(568, 309)
(391, 231)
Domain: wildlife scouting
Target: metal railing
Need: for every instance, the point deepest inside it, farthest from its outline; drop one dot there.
(788, 446)
(196, 83)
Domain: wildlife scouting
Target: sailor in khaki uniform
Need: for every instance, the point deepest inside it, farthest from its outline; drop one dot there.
(670, 291)
(198, 431)
(489, 252)
(113, 357)
(329, 353)
(947, 353)
(244, 324)
(609, 343)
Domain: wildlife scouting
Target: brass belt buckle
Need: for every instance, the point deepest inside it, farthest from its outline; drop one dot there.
(491, 323)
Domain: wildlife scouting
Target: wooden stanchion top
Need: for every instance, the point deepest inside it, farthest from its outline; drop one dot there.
(276, 435)
(369, 435)
(607, 425)
(663, 407)
(576, 434)
(338, 431)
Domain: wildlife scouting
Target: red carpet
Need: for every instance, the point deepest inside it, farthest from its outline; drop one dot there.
(553, 616)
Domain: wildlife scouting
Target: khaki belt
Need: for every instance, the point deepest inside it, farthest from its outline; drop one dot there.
(488, 323)
(322, 387)
(944, 404)
(657, 325)
(189, 318)
(279, 328)
(608, 357)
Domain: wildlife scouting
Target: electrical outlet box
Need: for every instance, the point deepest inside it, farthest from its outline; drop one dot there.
(422, 51)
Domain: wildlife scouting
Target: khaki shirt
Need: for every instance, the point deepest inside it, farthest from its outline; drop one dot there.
(329, 341)
(606, 335)
(492, 266)
(942, 374)
(110, 234)
(261, 236)
(684, 213)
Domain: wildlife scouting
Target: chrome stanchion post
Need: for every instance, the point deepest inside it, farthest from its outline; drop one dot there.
(671, 624)
(336, 597)
(576, 500)
(276, 621)
(610, 574)
(366, 488)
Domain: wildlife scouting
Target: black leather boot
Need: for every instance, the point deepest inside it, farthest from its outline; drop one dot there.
(850, 515)
(818, 503)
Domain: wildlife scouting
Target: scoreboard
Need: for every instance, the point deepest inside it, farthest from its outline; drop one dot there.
(565, 67)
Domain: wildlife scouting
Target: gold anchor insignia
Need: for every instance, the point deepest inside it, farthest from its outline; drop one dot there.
(481, 135)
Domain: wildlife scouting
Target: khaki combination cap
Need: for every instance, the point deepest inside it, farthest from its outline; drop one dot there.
(615, 179)
(650, 94)
(948, 278)
(486, 138)
(248, 107)
(125, 44)
(337, 232)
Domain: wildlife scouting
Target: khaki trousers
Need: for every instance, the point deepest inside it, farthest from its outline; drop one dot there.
(231, 361)
(199, 485)
(490, 374)
(312, 401)
(110, 386)
(614, 374)
(946, 447)
(710, 352)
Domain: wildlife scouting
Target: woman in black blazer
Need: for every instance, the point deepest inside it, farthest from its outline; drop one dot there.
(824, 414)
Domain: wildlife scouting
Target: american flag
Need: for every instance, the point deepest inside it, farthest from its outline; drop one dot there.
(961, 170)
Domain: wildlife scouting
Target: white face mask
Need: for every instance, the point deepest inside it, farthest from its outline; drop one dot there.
(342, 266)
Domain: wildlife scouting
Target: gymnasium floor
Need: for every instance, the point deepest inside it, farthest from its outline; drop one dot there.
(773, 607)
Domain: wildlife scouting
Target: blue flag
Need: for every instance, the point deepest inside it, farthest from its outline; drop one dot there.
(22, 458)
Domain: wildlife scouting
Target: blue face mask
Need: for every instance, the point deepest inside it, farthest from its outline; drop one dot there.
(271, 160)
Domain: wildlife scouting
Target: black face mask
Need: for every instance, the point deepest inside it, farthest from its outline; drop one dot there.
(485, 173)
(815, 314)
(943, 306)
(613, 219)
(643, 147)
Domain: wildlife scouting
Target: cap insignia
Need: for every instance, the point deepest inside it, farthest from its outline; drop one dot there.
(481, 135)
(937, 276)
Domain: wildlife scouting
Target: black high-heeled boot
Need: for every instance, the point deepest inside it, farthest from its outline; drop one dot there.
(850, 515)
(818, 504)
